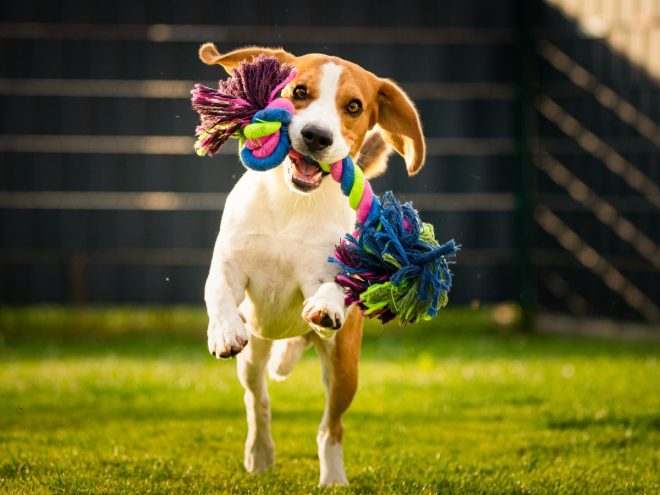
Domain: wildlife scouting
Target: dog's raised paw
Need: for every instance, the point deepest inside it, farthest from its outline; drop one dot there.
(226, 337)
(323, 314)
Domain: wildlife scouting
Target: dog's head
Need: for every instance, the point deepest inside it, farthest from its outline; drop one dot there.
(337, 104)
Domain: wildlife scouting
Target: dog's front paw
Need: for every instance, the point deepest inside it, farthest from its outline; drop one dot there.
(324, 315)
(226, 337)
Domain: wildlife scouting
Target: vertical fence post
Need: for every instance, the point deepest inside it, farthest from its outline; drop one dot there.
(523, 193)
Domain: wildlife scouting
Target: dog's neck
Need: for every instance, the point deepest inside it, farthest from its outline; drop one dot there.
(320, 208)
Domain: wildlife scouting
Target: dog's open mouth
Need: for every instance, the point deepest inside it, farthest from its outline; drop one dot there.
(306, 174)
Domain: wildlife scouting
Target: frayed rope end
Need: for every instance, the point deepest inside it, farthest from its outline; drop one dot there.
(395, 268)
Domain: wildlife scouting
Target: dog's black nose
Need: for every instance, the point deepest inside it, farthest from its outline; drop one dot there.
(316, 138)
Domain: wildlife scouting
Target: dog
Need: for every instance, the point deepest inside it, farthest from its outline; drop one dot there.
(270, 291)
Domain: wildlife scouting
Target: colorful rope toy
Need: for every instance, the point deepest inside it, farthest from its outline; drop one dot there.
(391, 266)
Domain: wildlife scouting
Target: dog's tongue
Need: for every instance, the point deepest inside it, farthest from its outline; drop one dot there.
(305, 168)
(305, 171)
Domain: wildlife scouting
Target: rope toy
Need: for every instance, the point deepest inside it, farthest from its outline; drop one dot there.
(391, 266)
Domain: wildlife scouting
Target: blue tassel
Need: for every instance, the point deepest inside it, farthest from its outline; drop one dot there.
(397, 252)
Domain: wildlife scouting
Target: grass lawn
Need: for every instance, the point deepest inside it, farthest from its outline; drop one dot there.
(129, 401)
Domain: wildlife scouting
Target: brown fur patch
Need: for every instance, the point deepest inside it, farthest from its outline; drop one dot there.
(209, 54)
(343, 385)
(373, 155)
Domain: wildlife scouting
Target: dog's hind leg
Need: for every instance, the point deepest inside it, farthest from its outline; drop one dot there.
(251, 364)
(339, 361)
(285, 355)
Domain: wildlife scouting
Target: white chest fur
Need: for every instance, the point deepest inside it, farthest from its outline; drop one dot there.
(280, 241)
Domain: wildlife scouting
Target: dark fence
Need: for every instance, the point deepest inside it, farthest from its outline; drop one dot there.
(597, 158)
(103, 201)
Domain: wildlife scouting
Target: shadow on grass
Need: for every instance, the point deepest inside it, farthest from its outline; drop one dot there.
(643, 421)
(109, 411)
(47, 418)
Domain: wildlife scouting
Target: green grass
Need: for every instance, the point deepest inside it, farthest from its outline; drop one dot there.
(128, 401)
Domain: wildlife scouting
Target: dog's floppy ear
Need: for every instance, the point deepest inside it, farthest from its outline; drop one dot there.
(209, 54)
(400, 126)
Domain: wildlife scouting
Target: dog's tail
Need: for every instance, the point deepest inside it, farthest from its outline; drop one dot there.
(285, 354)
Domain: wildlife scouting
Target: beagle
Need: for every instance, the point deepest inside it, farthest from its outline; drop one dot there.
(270, 292)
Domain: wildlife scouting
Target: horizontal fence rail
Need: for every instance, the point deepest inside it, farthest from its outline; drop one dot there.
(390, 35)
(169, 201)
(180, 89)
(183, 145)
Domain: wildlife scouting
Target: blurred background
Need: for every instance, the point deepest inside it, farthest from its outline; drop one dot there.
(542, 119)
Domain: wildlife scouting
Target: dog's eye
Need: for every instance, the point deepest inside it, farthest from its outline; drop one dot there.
(300, 92)
(354, 107)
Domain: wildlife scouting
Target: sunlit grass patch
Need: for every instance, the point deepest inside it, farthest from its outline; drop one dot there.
(128, 401)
